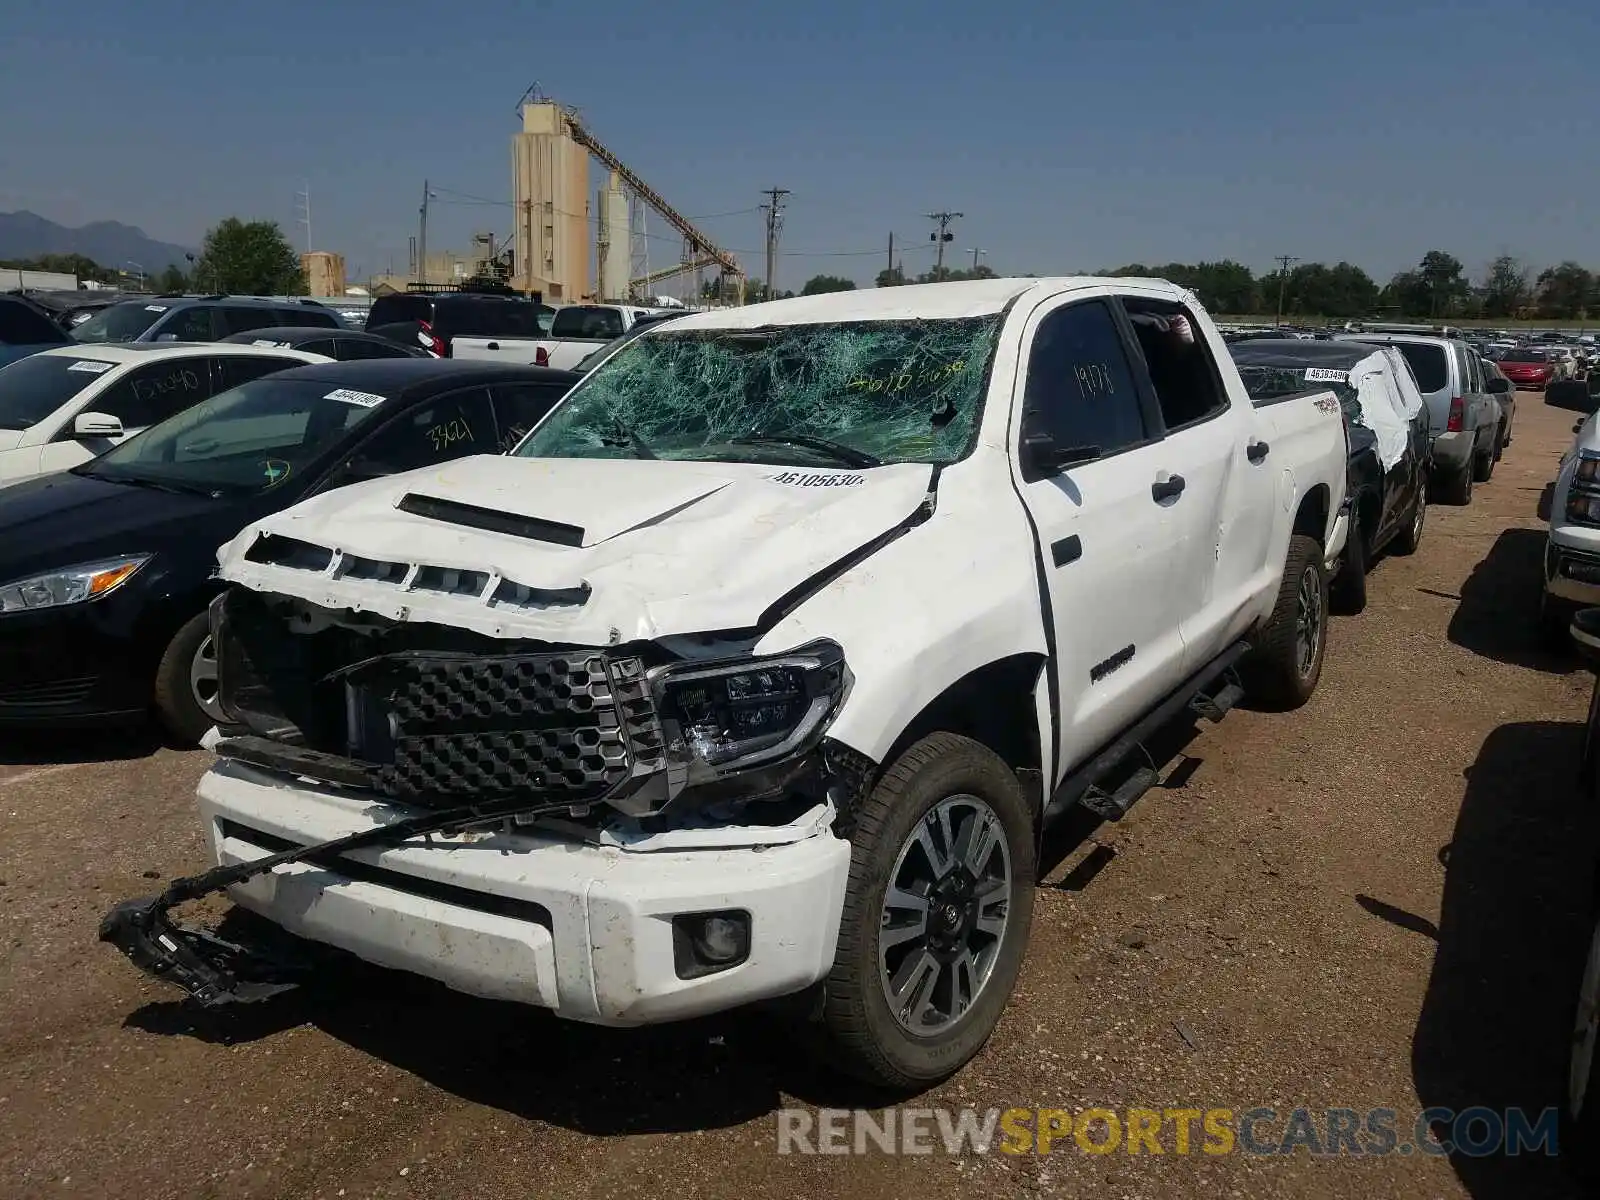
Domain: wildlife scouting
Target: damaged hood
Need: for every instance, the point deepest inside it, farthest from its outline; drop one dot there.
(592, 551)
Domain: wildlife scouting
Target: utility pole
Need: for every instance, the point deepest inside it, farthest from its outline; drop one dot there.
(1283, 261)
(305, 218)
(422, 237)
(774, 211)
(944, 235)
(975, 253)
(891, 254)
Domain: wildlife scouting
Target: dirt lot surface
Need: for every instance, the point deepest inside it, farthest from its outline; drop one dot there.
(1373, 902)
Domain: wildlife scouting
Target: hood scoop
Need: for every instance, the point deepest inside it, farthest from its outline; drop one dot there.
(471, 516)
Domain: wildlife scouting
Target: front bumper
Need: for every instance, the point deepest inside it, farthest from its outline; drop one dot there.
(77, 663)
(1572, 572)
(579, 928)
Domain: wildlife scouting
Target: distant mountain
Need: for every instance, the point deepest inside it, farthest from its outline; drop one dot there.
(112, 245)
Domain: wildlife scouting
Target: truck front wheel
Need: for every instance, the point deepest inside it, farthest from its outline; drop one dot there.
(1282, 669)
(936, 915)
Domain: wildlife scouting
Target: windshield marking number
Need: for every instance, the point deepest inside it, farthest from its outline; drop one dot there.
(1094, 379)
(802, 479)
(901, 380)
(182, 379)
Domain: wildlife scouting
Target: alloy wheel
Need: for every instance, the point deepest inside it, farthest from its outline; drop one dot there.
(1308, 621)
(944, 916)
(203, 684)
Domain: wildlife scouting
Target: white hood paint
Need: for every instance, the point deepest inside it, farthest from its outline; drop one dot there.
(667, 547)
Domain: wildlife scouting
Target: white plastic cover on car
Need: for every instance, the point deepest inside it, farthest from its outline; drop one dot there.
(1381, 391)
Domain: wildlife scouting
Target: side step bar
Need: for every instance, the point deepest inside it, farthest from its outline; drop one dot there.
(1081, 785)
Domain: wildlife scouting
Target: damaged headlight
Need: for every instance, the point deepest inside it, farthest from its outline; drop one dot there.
(734, 715)
(1587, 473)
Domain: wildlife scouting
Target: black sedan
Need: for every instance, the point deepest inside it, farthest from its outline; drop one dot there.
(106, 570)
(1387, 503)
(346, 345)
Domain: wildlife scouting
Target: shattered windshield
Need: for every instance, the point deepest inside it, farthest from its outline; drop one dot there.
(854, 393)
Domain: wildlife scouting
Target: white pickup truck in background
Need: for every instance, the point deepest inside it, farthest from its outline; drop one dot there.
(576, 331)
(760, 666)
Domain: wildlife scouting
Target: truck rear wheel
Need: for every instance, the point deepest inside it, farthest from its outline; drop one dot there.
(1282, 669)
(936, 915)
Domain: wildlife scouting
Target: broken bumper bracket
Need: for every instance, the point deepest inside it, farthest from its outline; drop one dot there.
(217, 972)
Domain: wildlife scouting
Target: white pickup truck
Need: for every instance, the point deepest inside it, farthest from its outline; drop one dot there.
(759, 667)
(576, 331)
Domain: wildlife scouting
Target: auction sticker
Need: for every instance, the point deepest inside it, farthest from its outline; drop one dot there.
(92, 367)
(806, 479)
(1326, 375)
(364, 399)
(155, 308)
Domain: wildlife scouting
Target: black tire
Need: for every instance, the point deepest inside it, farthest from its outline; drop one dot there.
(176, 707)
(1483, 460)
(1408, 539)
(1555, 623)
(866, 1039)
(1457, 489)
(1347, 592)
(1273, 672)
(1580, 1110)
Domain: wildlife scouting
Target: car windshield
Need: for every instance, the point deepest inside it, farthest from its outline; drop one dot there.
(32, 388)
(242, 441)
(858, 393)
(120, 322)
(1528, 356)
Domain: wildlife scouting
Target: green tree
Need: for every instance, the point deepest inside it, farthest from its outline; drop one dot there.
(818, 284)
(890, 277)
(1505, 287)
(172, 280)
(250, 258)
(1407, 294)
(1565, 292)
(1447, 286)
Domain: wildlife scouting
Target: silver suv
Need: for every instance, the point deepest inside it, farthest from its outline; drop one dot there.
(1465, 419)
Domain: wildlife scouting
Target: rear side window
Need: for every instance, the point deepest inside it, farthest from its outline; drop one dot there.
(231, 372)
(308, 317)
(319, 346)
(436, 431)
(1427, 364)
(586, 321)
(391, 310)
(242, 320)
(352, 348)
(21, 326)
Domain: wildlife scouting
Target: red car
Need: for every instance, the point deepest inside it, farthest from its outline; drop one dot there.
(1528, 368)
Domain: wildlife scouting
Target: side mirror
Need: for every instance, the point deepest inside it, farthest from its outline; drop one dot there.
(96, 425)
(1042, 457)
(1499, 387)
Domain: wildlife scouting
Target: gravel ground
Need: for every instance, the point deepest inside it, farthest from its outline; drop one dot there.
(1373, 902)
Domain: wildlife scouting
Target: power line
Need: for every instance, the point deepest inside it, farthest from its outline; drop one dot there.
(1283, 261)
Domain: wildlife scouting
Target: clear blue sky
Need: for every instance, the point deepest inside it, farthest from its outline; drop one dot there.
(1072, 136)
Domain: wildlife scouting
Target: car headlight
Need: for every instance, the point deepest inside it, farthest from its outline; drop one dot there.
(69, 585)
(1588, 471)
(733, 715)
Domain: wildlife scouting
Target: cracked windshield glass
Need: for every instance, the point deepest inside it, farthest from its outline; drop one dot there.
(850, 394)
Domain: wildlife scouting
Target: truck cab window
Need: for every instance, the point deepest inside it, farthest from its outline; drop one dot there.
(1185, 379)
(1080, 388)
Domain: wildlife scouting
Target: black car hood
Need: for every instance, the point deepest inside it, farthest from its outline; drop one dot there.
(59, 520)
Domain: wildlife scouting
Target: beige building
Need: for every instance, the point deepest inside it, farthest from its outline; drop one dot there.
(324, 273)
(550, 187)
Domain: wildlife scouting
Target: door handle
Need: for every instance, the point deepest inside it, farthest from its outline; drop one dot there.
(1166, 487)
(1256, 451)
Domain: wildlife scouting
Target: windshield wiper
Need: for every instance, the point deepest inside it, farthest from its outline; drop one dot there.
(629, 439)
(159, 485)
(848, 455)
